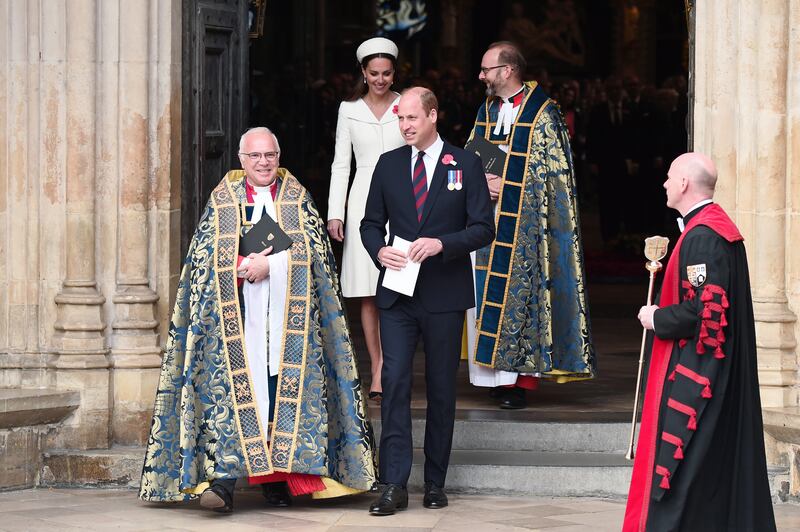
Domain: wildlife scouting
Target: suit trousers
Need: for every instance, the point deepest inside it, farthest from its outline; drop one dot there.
(401, 327)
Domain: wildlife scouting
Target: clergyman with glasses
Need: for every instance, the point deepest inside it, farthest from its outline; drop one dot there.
(259, 381)
(531, 318)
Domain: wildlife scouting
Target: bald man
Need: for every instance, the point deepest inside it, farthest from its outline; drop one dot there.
(700, 461)
(433, 195)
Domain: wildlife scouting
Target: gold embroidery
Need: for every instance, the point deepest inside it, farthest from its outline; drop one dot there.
(228, 226)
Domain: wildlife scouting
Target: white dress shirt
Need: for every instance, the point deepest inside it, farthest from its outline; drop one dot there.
(430, 158)
(697, 205)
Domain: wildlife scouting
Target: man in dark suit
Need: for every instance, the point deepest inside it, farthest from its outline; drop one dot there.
(435, 196)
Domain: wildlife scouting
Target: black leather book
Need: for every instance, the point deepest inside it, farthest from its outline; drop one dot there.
(492, 157)
(262, 235)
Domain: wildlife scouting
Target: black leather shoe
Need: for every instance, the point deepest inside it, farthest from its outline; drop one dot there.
(218, 498)
(393, 498)
(514, 399)
(277, 494)
(434, 496)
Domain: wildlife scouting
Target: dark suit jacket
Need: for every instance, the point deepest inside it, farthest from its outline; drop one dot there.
(462, 219)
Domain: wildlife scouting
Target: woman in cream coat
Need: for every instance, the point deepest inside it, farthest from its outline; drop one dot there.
(367, 126)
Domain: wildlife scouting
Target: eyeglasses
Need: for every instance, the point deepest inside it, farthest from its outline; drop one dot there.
(256, 156)
(485, 70)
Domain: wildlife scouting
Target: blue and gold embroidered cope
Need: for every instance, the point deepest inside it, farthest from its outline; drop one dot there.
(532, 309)
(205, 423)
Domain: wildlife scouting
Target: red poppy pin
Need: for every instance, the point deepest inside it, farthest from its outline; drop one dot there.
(447, 158)
(394, 109)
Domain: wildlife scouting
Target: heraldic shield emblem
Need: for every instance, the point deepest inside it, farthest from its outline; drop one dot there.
(696, 274)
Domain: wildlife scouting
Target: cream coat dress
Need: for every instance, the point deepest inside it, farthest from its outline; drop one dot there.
(359, 132)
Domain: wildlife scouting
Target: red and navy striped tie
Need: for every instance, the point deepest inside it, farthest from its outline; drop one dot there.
(420, 184)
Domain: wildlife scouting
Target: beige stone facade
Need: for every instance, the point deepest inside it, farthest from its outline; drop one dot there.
(90, 196)
(89, 205)
(747, 117)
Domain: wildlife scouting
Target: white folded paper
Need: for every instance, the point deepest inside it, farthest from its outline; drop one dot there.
(402, 281)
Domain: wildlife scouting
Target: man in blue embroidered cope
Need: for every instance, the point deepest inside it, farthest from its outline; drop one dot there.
(259, 377)
(531, 318)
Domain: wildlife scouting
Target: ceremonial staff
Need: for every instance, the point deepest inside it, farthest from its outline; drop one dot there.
(655, 249)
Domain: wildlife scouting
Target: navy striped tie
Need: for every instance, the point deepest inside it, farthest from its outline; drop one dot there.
(420, 184)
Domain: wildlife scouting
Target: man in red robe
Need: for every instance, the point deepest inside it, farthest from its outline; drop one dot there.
(700, 461)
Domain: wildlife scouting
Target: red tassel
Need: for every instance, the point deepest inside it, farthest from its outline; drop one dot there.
(303, 484)
(724, 301)
(664, 484)
(720, 336)
(700, 348)
(703, 331)
(682, 343)
(690, 293)
(706, 392)
(723, 322)
(692, 424)
(672, 376)
(678, 453)
(707, 295)
(718, 353)
(706, 313)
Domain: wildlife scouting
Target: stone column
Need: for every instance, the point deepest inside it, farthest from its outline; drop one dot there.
(741, 121)
(79, 340)
(18, 198)
(793, 166)
(774, 321)
(135, 352)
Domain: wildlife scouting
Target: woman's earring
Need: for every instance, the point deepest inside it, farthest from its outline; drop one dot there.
(365, 81)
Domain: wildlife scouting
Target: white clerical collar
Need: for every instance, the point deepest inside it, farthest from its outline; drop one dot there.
(693, 208)
(511, 98)
(432, 151)
(506, 114)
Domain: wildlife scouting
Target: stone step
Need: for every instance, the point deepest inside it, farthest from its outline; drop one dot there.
(27, 417)
(530, 436)
(530, 472)
(116, 467)
(566, 474)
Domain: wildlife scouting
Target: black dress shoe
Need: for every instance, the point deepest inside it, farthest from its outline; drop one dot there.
(393, 498)
(514, 399)
(218, 497)
(434, 496)
(277, 494)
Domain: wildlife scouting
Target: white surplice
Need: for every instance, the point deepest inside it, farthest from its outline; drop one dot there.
(264, 306)
(482, 375)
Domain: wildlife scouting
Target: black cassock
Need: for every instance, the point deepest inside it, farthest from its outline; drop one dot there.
(710, 465)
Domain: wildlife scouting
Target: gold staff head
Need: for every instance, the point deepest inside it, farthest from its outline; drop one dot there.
(655, 249)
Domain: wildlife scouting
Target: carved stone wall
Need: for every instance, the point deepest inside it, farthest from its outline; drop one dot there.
(89, 205)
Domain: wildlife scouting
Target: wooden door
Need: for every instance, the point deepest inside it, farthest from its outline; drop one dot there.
(215, 100)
